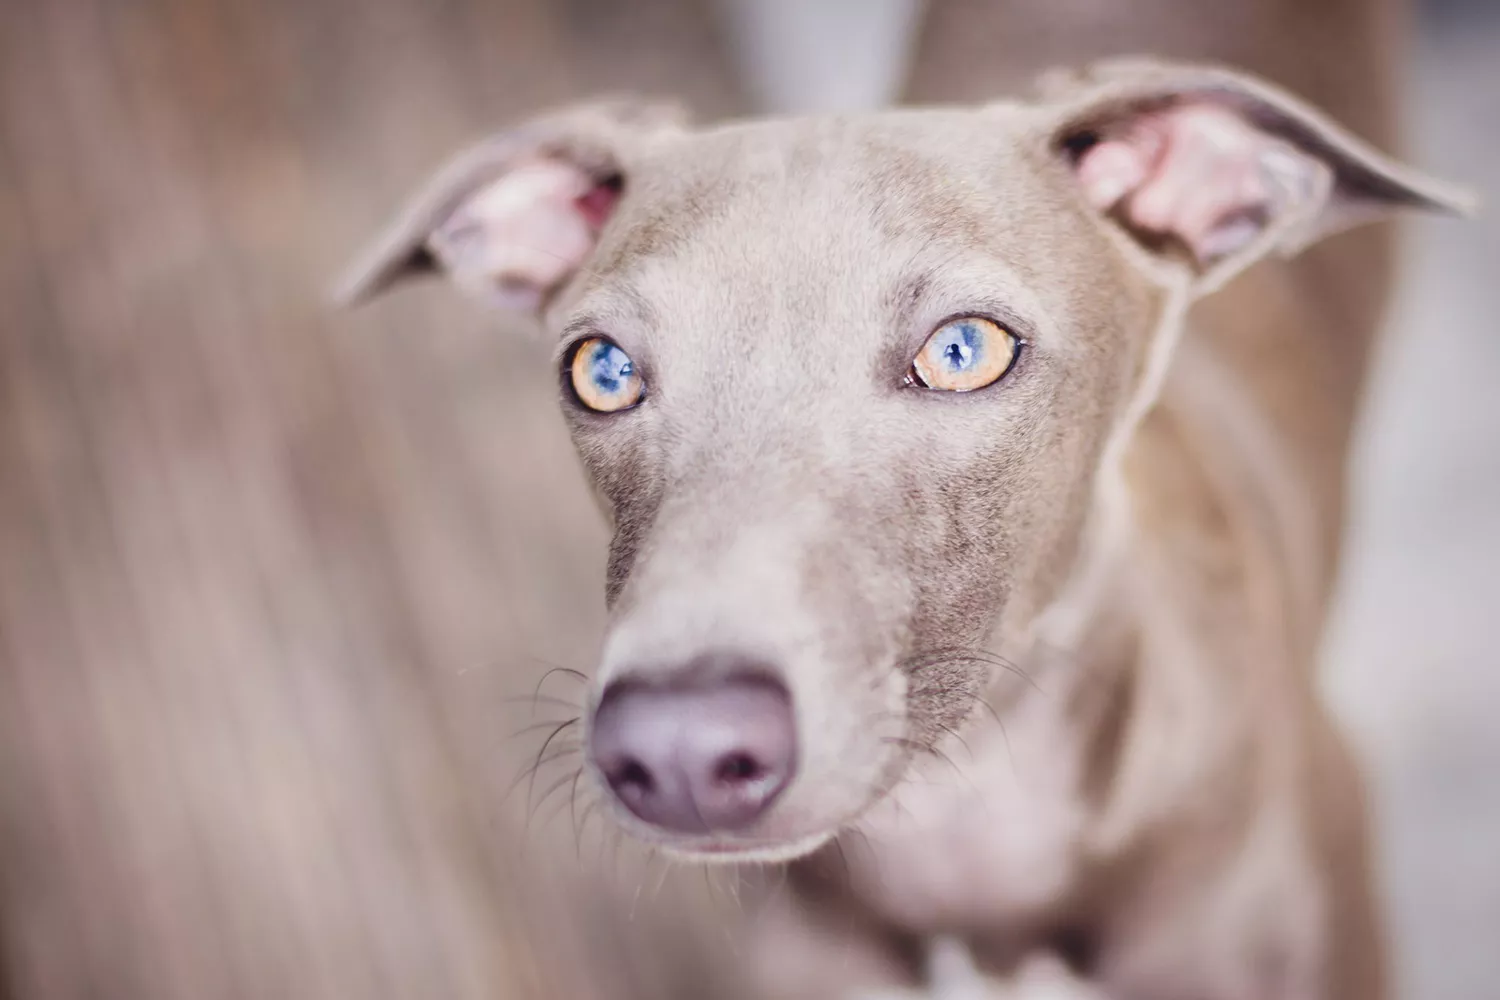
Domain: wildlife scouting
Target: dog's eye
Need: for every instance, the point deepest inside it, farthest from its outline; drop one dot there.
(965, 354)
(603, 376)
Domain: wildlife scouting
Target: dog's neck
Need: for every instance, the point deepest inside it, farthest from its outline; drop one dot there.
(987, 831)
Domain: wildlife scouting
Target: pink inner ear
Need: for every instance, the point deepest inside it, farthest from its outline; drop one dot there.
(598, 204)
(1198, 172)
(525, 233)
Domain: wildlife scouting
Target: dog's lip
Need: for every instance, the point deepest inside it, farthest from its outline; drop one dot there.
(722, 848)
(764, 850)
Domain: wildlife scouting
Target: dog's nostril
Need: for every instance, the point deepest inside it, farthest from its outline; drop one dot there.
(708, 755)
(635, 773)
(738, 767)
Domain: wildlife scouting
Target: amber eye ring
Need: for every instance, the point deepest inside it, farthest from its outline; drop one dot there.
(964, 354)
(602, 377)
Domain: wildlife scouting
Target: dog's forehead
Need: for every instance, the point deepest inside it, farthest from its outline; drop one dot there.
(813, 182)
(835, 217)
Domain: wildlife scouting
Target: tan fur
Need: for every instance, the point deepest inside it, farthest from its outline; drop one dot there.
(1107, 550)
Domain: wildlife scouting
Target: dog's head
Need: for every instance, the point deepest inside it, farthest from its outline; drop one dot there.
(851, 391)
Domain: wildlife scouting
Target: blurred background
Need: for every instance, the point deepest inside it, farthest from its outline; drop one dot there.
(277, 584)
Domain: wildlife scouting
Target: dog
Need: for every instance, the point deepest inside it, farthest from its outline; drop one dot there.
(948, 532)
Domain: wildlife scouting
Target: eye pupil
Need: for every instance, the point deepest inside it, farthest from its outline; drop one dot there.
(963, 344)
(611, 366)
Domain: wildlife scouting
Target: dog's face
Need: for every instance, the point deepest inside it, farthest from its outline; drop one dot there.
(792, 495)
(851, 391)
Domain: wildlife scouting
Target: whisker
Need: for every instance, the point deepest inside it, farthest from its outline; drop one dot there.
(984, 703)
(541, 699)
(661, 880)
(708, 883)
(864, 839)
(640, 882)
(906, 743)
(543, 724)
(531, 769)
(590, 809)
(962, 742)
(573, 807)
(938, 656)
(577, 675)
(843, 860)
(1009, 754)
(531, 785)
(551, 790)
(619, 843)
(967, 780)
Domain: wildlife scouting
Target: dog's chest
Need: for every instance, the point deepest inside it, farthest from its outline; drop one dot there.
(986, 839)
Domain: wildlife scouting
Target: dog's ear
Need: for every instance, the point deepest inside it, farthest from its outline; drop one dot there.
(510, 220)
(1215, 169)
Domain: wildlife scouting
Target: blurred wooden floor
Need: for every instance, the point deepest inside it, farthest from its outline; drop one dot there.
(266, 572)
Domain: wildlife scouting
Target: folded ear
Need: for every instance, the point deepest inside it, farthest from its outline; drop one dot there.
(1216, 169)
(513, 218)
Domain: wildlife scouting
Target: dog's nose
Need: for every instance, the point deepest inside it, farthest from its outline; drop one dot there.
(711, 756)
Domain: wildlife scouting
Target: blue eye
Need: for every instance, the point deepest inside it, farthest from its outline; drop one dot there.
(604, 378)
(965, 354)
